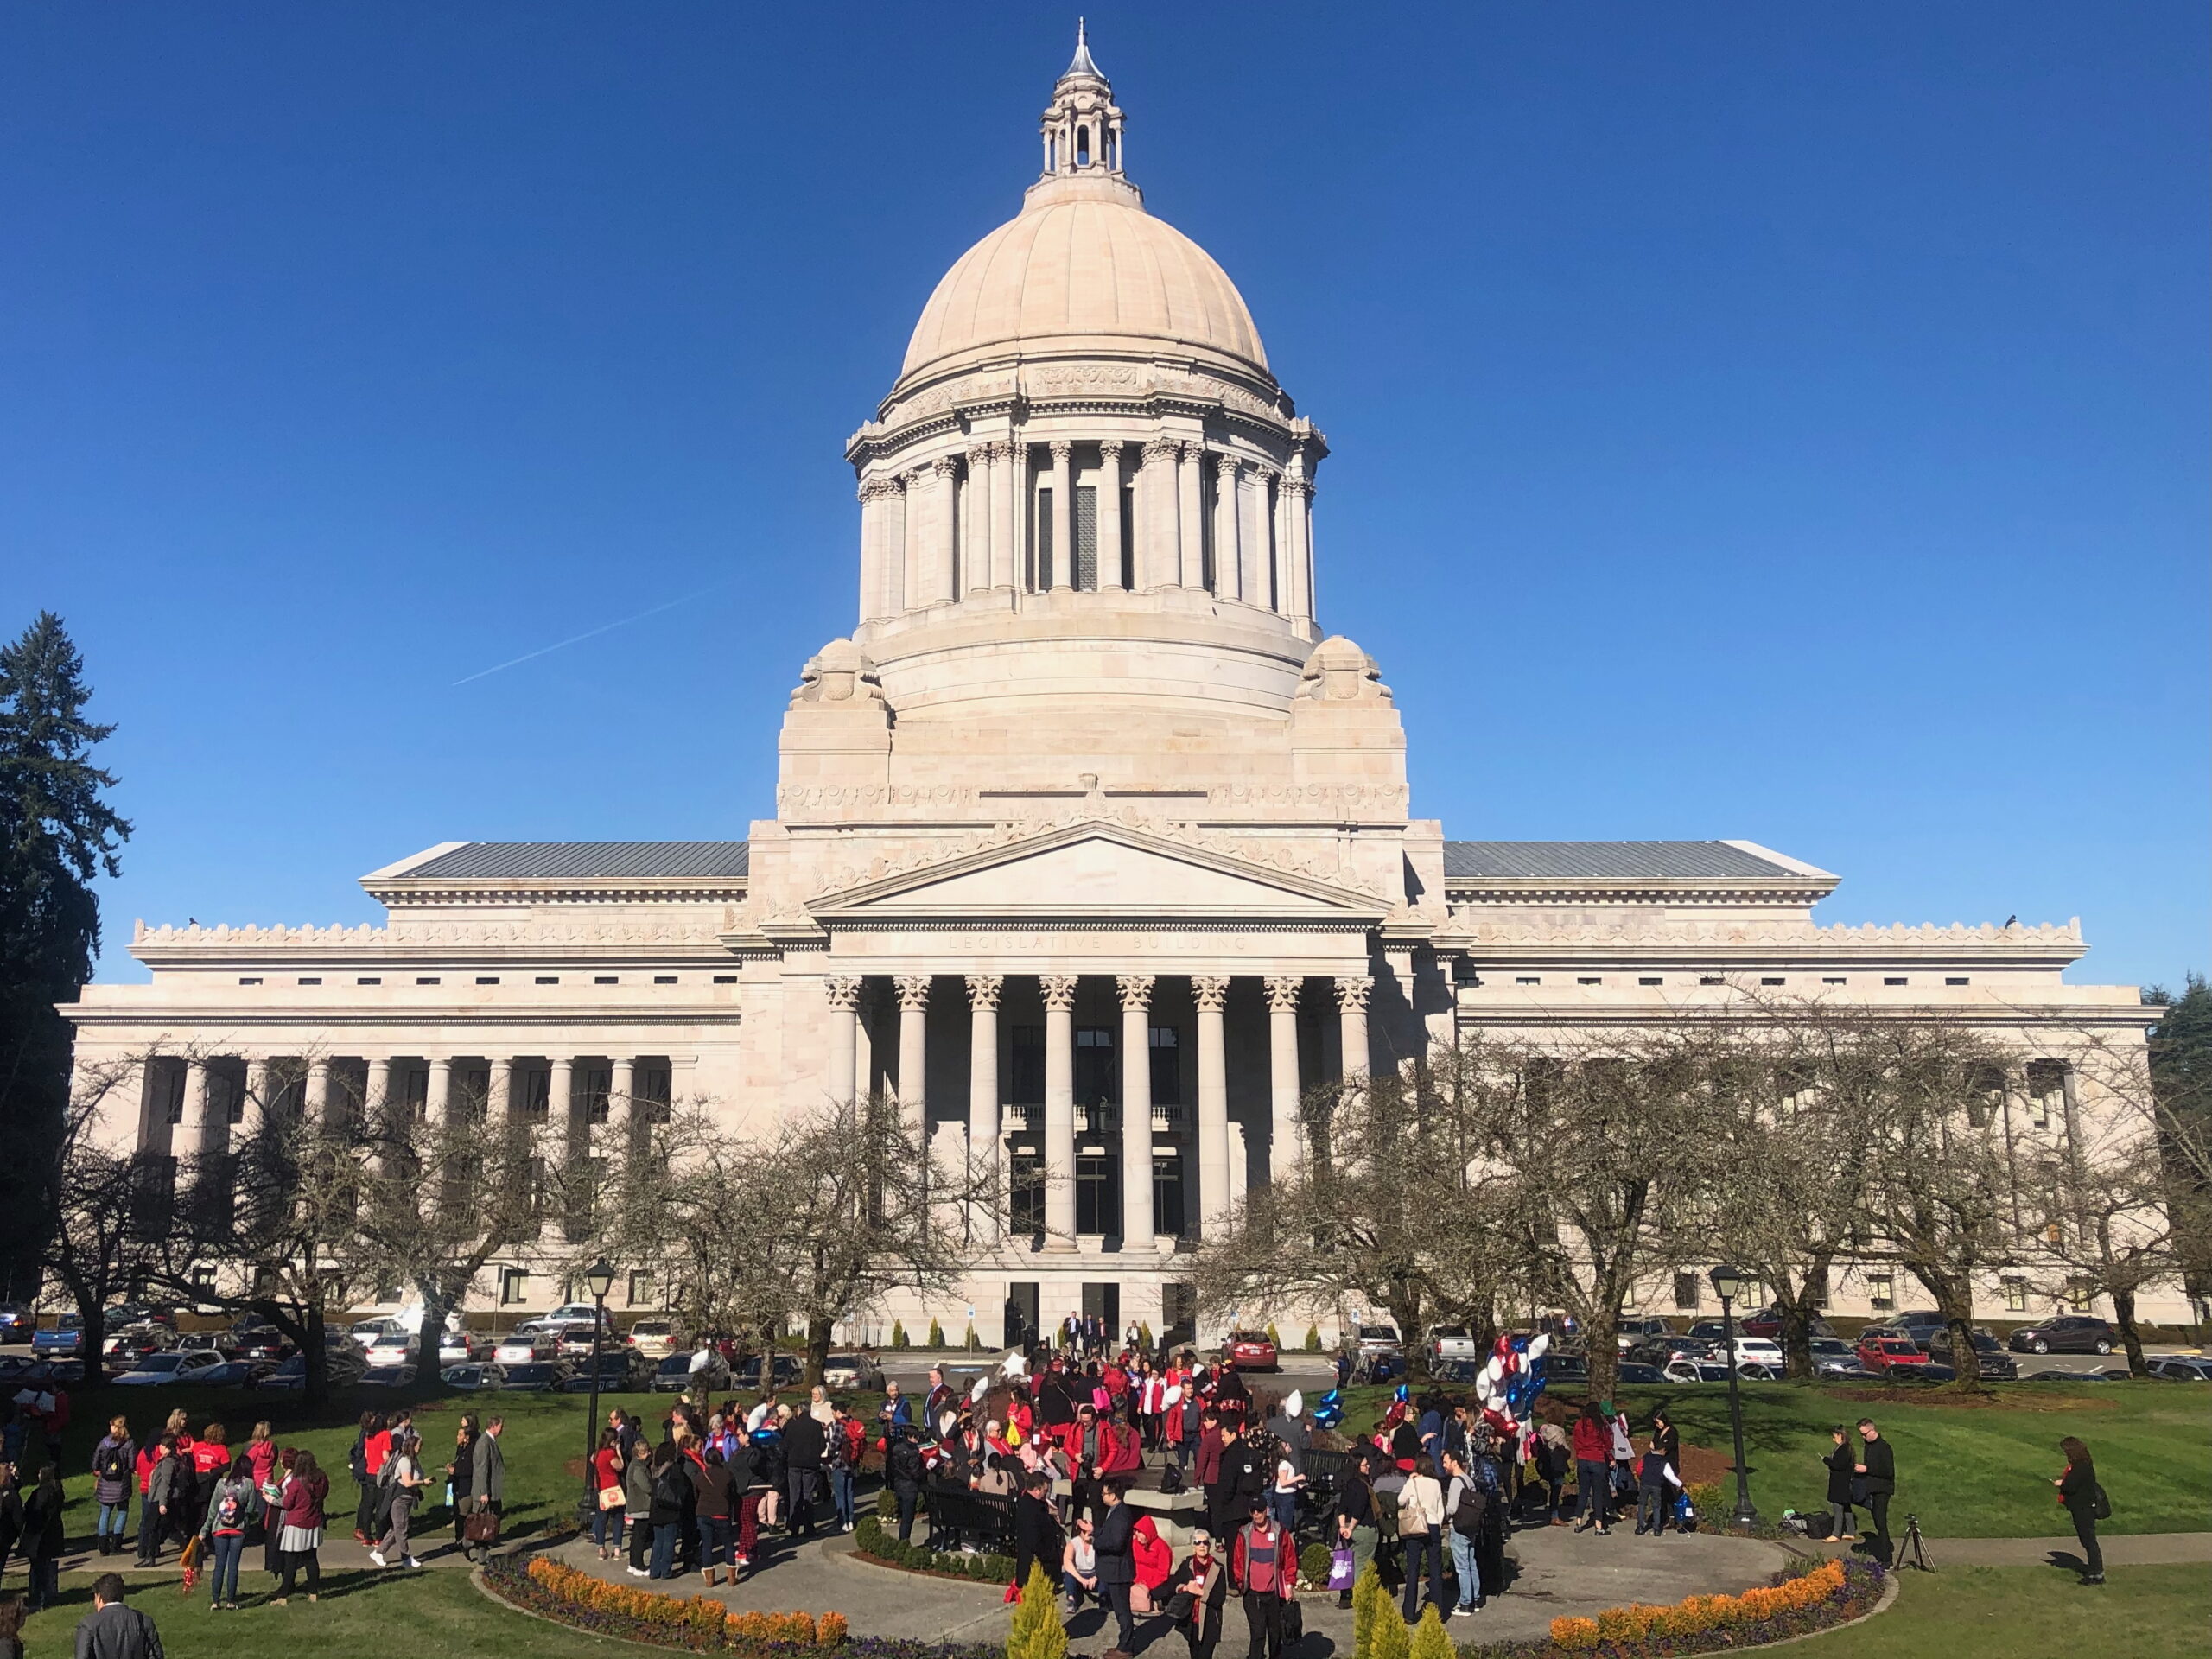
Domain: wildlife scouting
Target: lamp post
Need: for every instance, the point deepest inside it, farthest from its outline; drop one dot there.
(1728, 1284)
(600, 1277)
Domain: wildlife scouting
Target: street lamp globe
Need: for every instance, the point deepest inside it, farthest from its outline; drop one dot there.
(600, 1276)
(1727, 1281)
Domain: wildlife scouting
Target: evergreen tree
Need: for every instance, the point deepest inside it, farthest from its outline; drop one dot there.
(1036, 1632)
(1367, 1596)
(57, 833)
(1430, 1639)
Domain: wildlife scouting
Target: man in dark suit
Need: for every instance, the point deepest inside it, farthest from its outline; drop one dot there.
(1878, 1469)
(1117, 1563)
(1037, 1540)
(804, 1443)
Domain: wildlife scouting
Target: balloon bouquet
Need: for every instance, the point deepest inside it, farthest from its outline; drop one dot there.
(1508, 1386)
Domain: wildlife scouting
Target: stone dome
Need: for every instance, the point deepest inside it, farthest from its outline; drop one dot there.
(1084, 266)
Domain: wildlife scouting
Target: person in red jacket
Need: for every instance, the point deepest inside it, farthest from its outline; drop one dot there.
(1263, 1571)
(1593, 1469)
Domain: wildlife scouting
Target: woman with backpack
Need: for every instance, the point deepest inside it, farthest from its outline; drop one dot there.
(231, 1508)
(712, 1502)
(637, 1505)
(162, 1482)
(300, 1538)
(667, 1513)
(403, 1480)
(114, 1465)
(2085, 1503)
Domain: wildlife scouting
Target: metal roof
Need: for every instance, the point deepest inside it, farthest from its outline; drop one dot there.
(582, 860)
(1612, 860)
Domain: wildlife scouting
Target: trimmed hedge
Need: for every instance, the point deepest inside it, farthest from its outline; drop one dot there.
(872, 1539)
(695, 1624)
(1801, 1603)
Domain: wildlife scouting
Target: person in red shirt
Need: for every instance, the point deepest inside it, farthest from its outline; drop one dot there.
(1263, 1571)
(607, 1466)
(1593, 1469)
(210, 1456)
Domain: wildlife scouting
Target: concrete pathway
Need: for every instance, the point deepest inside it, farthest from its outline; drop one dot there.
(2121, 1549)
(1556, 1571)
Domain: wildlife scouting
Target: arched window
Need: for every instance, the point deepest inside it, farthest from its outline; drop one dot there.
(1083, 146)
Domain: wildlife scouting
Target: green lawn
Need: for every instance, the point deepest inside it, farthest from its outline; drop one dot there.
(1968, 1470)
(2034, 1612)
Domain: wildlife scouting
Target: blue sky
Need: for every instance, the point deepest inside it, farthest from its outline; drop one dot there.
(1748, 421)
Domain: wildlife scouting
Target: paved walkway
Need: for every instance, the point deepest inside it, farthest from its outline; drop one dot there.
(1556, 1571)
(2121, 1549)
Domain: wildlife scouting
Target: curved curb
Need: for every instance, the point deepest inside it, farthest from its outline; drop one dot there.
(855, 1558)
(1892, 1581)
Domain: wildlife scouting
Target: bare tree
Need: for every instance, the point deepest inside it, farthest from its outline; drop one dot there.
(111, 1208)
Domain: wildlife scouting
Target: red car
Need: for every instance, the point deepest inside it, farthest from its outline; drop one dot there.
(1887, 1353)
(1250, 1350)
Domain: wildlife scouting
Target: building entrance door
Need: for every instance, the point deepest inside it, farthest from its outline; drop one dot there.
(1179, 1313)
(1105, 1302)
(1021, 1329)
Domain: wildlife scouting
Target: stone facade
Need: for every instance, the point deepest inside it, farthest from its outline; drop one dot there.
(1089, 844)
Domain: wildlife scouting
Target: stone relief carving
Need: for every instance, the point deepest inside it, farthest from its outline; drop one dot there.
(839, 673)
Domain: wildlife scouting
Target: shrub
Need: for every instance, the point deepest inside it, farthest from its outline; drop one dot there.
(1313, 1338)
(1313, 1564)
(886, 1504)
(1036, 1632)
(936, 1335)
(1429, 1640)
(1366, 1596)
(1144, 1331)
(1575, 1634)
(897, 1334)
(972, 1342)
(1275, 1335)
(694, 1622)
(1393, 1639)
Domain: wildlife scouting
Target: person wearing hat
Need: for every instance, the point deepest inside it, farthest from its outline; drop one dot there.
(1263, 1569)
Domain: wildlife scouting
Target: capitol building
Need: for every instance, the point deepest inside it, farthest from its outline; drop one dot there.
(1091, 845)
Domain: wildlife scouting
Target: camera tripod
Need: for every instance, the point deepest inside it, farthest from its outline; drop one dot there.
(1912, 1549)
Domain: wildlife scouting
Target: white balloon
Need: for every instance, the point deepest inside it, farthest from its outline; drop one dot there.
(1494, 1369)
(1013, 1365)
(983, 1387)
(1539, 1346)
(1296, 1404)
(1174, 1394)
(757, 1416)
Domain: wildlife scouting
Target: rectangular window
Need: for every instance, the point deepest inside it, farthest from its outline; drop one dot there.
(597, 1085)
(2079, 1296)
(533, 1093)
(249, 980)
(1043, 540)
(1832, 979)
(1590, 979)
(1777, 980)
(605, 979)
(663, 979)
(2046, 1092)
(1959, 980)
(644, 1288)
(1086, 537)
(487, 979)
(1710, 979)
(1167, 1194)
(1653, 979)
(1129, 536)
(1026, 1075)
(1097, 1195)
(1166, 1066)
(369, 979)
(725, 979)
(1095, 1074)
(1527, 979)
(170, 1094)
(2016, 1295)
(1881, 1291)
(1685, 1293)
(548, 979)
(426, 979)
(1026, 1188)
(652, 1086)
(1898, 980)
(311, 979)
(514, 1286)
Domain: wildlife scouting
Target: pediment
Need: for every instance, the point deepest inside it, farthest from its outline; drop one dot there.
(1097, 870)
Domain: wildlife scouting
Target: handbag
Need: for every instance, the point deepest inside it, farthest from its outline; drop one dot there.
(1341, 1572)
(2100, 1506)
(481, 1528)
(1293, 1621)
(1858, 1494)
(610, 1498)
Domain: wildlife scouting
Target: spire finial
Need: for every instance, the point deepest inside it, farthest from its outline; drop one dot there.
(1081, 64)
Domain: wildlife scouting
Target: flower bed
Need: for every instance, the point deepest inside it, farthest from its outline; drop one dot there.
(1822, 1595)
(697, 1623)
(875, 1541)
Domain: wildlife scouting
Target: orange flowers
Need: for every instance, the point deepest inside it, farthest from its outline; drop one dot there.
(1696, 1614)
(702, 1621)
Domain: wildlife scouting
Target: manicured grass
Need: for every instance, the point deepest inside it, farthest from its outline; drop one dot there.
(2022, 1612)
(1968, 1470)
(436, 1613)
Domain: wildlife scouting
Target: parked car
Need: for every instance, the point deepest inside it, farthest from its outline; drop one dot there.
(1461, 1371)
(135, 1342)
(851, 1371)
(2047, 1375)
(537, 1377)
(1636, 1372)
(1755, 1350)
(172, 1365)
(140, 1313)
(618, 1371)
(572, 1339)
(1373, 1339)
(571, 1313)
(2069, 1333)
(1767, 1322)
(1251, 1351)
(1833, 1357)
(1709, 1329)
(1714, 1370)
(1994, 1364)
(391, 1351)
(521, 1347)
(2181, 1368)
(367, 1330)
(459, 1347)
(1451, 1342)
(1566, 1368)
(64, 1335)
(1891, 1353)
(673, 1375)
(474, 1378)
(16, 1322)
(343, 1366)
(253, 1338)
(1631, 1333)
(653, 1338)
(233, 1374)
(1919, 1323)
(389, 1377)
(784, 1371)
(208, 1341)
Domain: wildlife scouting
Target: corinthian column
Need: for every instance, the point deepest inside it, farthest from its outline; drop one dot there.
(871, 496)
(1252, 536)
(1212, 993)
(1157, 558)
(1109, 516)
(1136, 1110)
(1059, 1110)
(1228, 555)
(913, 1057)
(976, 522)
(1009, 481)
(1189, 516)
(1298, 548)
(1353, 990)
(1283, 1073)
(944, 517)
(1062, 517)
(194, 1131)
(983, 1137)
(838, 1077)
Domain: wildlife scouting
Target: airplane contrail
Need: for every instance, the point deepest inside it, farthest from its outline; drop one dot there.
(593, 633)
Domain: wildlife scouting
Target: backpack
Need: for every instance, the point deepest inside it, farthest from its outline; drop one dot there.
(1467, 1518)
(229, 1509)
(113, 1464)
(2100, 1506)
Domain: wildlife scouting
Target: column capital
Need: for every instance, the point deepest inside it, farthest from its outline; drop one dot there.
(1283, 992)
(1296, 485)
(1136, 991)
(1061, 448)
(1003, 448)
(984, 992)
(1226, 465)
(945, 467)
(913, 990)
(1109, 451)
(845, 991)
(1211, 991)
(875, 488)
(1059, 990)
(1353, 990)
(1161, 449)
